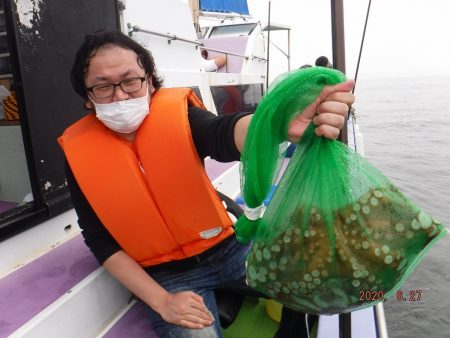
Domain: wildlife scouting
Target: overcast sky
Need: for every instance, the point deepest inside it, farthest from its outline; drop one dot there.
(404, 37)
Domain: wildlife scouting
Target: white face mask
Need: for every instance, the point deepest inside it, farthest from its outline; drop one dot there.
(123, 116)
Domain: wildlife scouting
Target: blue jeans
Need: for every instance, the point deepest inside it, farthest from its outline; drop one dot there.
(223, 268)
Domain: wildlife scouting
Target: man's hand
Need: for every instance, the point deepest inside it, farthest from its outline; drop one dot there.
(328, 112)
(185, 309)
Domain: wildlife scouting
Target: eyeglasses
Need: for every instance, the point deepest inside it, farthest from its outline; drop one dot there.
(104, 90)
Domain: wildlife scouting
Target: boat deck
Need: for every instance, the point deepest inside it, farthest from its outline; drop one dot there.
(32, 289)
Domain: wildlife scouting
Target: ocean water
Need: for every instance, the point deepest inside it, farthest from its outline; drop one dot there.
(405, 123)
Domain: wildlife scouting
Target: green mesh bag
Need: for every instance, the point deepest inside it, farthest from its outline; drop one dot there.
(335, 227)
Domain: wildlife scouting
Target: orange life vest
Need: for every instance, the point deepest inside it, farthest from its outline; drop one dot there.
(153, 196)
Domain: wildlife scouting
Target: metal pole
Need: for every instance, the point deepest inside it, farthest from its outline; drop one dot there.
(345, 325)
(289, 50)
(337, 31)
(170, 37)
(380, 321)
(338, 35)
(268, 49)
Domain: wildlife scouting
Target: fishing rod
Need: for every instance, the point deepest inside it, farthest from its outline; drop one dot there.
(351, 110)
(362, 44)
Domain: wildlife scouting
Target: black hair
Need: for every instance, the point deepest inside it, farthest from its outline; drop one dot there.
(90, 46)
(322, 61)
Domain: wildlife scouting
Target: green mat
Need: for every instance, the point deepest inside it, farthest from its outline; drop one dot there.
(252, 321)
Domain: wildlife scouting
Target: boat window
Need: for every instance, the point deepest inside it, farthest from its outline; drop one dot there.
(232, 30)
(15, 187)
(37, 103)
(234, 99)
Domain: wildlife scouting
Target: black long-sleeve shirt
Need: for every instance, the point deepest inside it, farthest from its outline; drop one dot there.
(212, 135)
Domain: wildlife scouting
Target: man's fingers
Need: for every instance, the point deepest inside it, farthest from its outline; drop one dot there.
(191, 325)
(338, 93)
(328, 112)
(327, 131)
(333, 120)
(195, 320)
(344, 97)
(201, 311)
(334, 107)
(340, 87)
(198, 308)
(205, 318)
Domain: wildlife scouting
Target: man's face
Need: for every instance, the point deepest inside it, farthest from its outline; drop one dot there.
(111, 65)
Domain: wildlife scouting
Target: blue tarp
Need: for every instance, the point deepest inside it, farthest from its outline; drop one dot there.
(225, 6)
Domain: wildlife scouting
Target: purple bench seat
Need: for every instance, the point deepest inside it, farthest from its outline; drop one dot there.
(29, 290)
(134, 324)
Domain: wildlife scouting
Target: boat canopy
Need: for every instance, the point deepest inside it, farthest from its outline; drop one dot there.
(225, 6)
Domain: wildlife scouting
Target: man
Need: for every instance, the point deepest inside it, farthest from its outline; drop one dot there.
(213, 64)
(147, 210)
(322, 61)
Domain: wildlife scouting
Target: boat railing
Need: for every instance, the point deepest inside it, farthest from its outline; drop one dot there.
(221, 51)
(227, 54)
(247, 57)
(380, 321)
(198, 44)
(169, 37)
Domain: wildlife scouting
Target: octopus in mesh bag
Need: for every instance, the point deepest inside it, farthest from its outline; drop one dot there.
(337, 235)
(375, 240)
